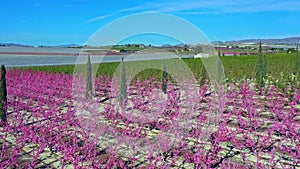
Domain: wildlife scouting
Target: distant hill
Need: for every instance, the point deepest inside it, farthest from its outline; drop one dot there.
(14, 45)
(177, 45)
(166, 45)
(283, 41)
(270, 41)
(62, 46)
(68, 45)
(21, 45)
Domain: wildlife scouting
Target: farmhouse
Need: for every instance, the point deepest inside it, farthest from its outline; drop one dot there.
(201, 55)
(115, 51)
(233, 53)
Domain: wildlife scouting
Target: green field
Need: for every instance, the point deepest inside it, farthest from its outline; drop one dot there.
(280, 66)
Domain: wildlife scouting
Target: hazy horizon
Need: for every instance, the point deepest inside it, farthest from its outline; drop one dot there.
(52, 23)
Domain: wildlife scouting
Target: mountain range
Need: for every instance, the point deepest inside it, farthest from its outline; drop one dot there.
(271, 41)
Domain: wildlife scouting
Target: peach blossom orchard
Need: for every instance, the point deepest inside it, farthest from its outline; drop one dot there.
(257, 128)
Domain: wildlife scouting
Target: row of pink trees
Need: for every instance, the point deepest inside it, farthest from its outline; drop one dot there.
(190, 127)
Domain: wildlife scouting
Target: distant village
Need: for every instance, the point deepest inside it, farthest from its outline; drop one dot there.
(251, 48)
(222, 49)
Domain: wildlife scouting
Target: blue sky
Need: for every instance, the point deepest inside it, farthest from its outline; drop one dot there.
(56, 22)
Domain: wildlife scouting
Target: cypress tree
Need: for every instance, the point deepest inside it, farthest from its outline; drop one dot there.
(202, 75)
(297, 68)
(220, 77)
(3, 95)
(297, 64)
(123, 85)
(88, 90)
(164, 79)
(261, 68)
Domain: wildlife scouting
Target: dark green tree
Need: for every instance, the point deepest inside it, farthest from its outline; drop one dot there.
(220, 72)
(3, 95)
(88, 90)
(123, 85)
(261, 68)
(164, 79)
(297, 64)
(297, 68)
(202, 76)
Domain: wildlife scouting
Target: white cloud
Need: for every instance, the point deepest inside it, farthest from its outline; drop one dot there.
(131, 9)
(196, 7)
(98, 18)
(225, 6)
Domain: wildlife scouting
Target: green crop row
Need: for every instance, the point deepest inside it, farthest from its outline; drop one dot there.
(279, 65)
